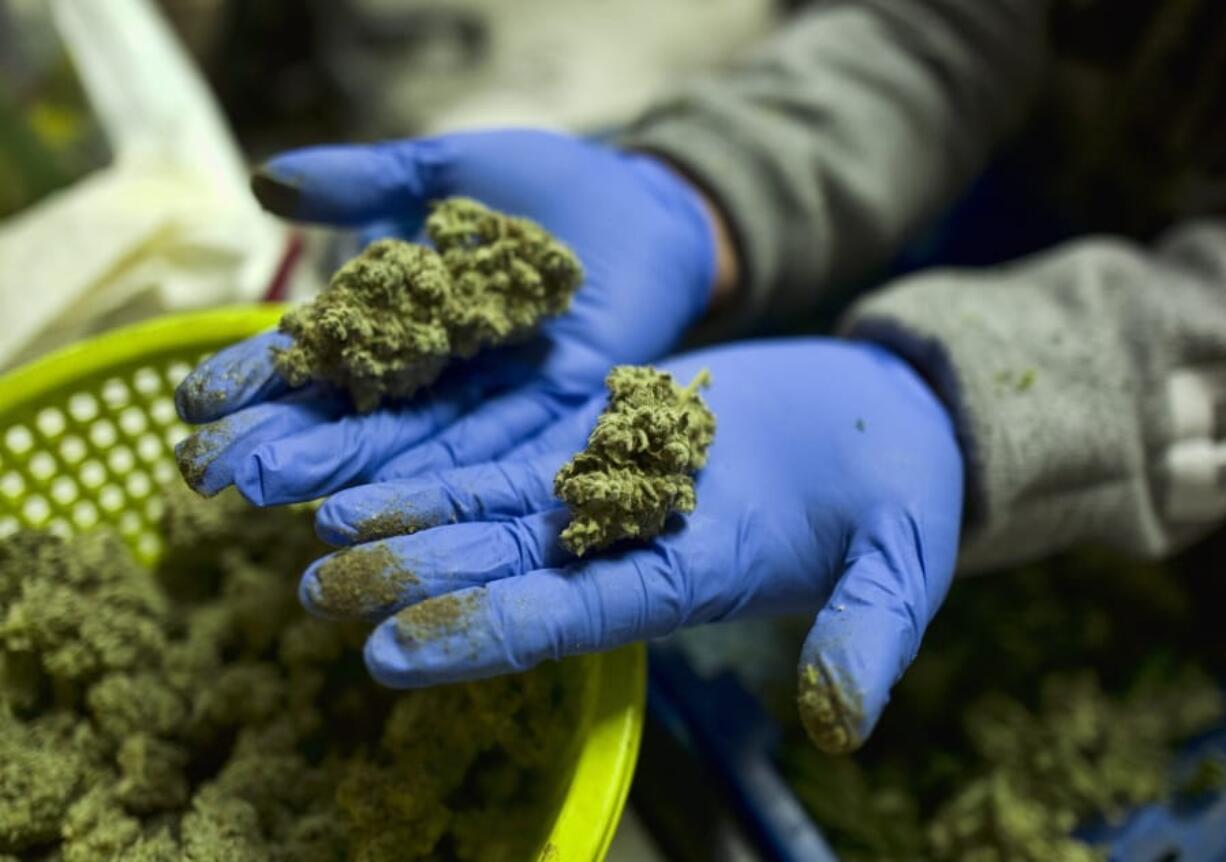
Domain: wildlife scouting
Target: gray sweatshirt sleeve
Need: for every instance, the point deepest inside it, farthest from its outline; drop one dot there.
(830, 144)
(1088, 384)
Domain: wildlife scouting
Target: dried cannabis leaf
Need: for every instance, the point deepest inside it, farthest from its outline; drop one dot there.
(394, 316)
(639, 462)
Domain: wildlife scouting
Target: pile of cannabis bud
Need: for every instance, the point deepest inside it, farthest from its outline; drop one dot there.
(1033, 711)
(640, 459)
(195, 712)
(393, 317)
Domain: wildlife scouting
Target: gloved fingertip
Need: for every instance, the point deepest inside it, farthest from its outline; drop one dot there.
(277, 193)
(308, 593)
(349, 185)
(440, 640)
(859, 646)
(331, 528)
(201, 397)
(185, 400)
(386, 662)
(196, 457)
(831, 709)
(364, 582)
(235, 377)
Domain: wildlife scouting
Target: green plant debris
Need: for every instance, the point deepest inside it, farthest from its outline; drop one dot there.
(1018, 382)
(384, 525)
(361, 581)
(435, 618)
(393, 317)
(211, 391)
(1033, 708)
(145, 716)
(830, 714)
(197, 452)
(640, 459)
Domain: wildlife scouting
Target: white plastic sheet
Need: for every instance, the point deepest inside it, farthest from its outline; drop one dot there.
(169, 224)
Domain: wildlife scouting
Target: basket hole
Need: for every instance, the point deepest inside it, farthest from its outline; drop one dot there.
(149, 448)
(72, 449)
(115, 393)
(138, 485)
(82, 406)
(63, 490)
(129, 523)
(164, 472)
(154, 509)
(121, 460)
(8, 526)
(18, 440)
(85, 514)
(146, 381)
(132, 421)
(59, 527)
(102, 433)
(163, 411)
(176, 435)
(177, 372)
(50, 422)
(36, 510)
(148, 546)
(110, 498)
(11, 485)
(42, 466)
(92, 474)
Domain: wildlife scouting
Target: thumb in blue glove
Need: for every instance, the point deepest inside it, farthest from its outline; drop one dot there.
(834, 487)
(641, 232)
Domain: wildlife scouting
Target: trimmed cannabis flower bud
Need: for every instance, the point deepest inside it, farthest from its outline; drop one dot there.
(508, 273)
(394, 316)
(640, 459)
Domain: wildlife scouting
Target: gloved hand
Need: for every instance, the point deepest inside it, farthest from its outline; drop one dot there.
(834, 486)
(642, 235)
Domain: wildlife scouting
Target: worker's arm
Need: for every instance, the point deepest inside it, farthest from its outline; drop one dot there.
(829, 145)
(1088, 384)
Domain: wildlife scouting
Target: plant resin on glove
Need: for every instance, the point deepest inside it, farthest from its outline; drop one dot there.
(393, 317)
(640, 459)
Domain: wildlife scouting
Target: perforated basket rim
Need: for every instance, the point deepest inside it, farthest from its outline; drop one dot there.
(604, 768)
(185, 332)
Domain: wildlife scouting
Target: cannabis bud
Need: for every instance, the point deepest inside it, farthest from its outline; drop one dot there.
(393, 317)
(640, 459)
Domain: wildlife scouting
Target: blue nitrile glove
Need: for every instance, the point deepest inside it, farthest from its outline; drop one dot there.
(834, 486)
(640, 231)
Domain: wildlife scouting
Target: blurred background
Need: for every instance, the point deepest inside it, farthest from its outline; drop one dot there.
(127, 128)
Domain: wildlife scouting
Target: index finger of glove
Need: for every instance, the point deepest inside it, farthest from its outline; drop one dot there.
(233, 378)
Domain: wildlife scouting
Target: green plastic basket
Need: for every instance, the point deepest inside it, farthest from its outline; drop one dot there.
(87, 438)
